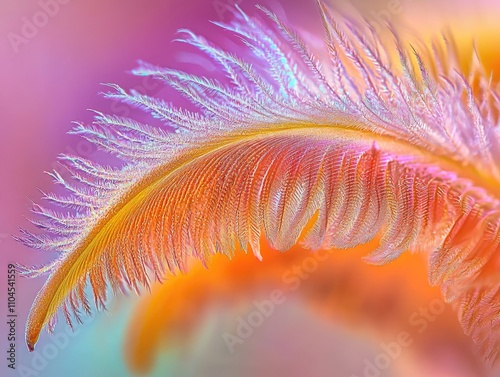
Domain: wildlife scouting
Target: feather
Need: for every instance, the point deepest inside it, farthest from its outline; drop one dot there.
(363, 144)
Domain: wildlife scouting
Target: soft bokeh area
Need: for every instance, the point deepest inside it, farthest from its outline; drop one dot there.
(334, 319)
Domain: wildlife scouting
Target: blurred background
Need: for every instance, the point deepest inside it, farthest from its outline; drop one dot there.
(54, 58)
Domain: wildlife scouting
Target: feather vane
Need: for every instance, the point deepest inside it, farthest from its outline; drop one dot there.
(363, 144)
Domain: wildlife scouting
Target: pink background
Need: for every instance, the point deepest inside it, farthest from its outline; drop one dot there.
(55, 77)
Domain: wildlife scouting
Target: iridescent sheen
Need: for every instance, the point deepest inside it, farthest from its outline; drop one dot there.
(364, 139)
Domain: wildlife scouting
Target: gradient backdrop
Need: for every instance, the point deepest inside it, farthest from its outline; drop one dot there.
(50, 81)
